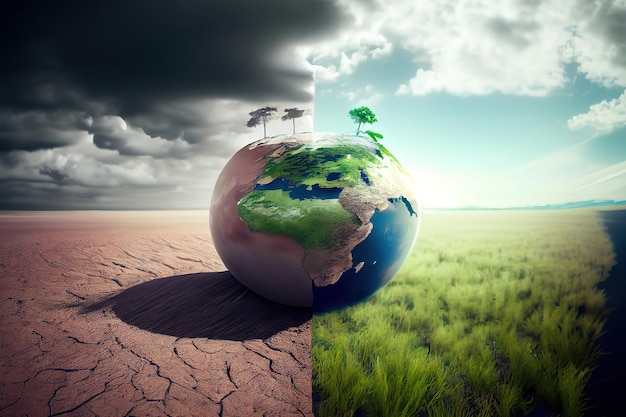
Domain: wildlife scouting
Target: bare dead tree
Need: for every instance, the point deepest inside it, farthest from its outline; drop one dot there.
(293, 114)
(262, 115)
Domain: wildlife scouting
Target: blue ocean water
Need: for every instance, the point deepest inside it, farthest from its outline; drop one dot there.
(607, 384)
(364, 177)
(382, 254)
(301, 192)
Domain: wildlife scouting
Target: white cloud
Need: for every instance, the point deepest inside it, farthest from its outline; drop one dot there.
(325, 74)
(611, 180)
(481, 47)
(599, 47)
(137, 162)
(342, 56)
(71, 168)
(84, 176)
(565, 176)
(603, 117)
(365, 96)
(112, 132)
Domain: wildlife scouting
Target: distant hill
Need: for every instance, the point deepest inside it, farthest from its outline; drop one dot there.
(580, 204)
(570, 205)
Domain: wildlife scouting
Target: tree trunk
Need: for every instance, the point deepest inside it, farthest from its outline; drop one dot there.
(294, 125)
(264, 132)
(358, 128)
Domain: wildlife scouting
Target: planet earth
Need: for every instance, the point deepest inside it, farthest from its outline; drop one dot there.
(314, 219)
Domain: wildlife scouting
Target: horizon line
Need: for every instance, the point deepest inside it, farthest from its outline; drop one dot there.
(551, 206)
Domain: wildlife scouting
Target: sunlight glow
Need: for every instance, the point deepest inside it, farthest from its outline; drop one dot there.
(431, 190)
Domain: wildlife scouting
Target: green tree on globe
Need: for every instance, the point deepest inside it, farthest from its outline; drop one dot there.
(362, 115)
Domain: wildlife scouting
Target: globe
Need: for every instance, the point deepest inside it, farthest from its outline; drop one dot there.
(314, 219)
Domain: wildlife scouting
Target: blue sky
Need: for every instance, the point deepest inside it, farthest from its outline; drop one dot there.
(492, 104)
(468, 146)
(546, 127)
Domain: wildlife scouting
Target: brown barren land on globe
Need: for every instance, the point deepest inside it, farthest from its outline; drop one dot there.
(133, 314)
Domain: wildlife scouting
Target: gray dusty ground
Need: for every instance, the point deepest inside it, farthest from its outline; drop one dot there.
(65, 351)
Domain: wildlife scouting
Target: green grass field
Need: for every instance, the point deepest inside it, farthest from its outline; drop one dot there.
(493, 313)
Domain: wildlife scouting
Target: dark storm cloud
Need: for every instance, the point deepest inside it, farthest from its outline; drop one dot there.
(46, 196)
(608, 20)
(515, 33)
(196, 120)
(55, 174)
(612, 23)
(40, 130)
(134, 142)
(163, 87)
(131, 54)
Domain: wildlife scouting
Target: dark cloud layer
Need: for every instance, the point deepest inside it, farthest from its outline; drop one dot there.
(33, 130)
(612, 23)
(140, 60)
(131, 54)
(108, 103)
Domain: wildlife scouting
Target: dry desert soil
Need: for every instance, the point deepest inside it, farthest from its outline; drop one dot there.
(133, 314)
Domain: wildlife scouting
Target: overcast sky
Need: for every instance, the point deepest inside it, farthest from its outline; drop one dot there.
(138, 105)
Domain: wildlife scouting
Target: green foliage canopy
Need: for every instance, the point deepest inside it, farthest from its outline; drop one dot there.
(362, 115)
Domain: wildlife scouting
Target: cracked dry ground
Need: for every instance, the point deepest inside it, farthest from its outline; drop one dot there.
(56, 358)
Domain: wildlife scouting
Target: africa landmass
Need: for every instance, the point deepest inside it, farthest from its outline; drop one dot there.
(324, 195)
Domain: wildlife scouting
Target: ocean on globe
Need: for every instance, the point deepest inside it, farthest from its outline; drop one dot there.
(314, 219)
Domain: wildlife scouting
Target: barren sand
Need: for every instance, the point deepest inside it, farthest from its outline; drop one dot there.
(133, 314)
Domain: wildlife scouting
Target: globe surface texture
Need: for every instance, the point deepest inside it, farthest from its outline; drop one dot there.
(314, 219)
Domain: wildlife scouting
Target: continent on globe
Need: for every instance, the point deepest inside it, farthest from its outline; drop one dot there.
(314, 219)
